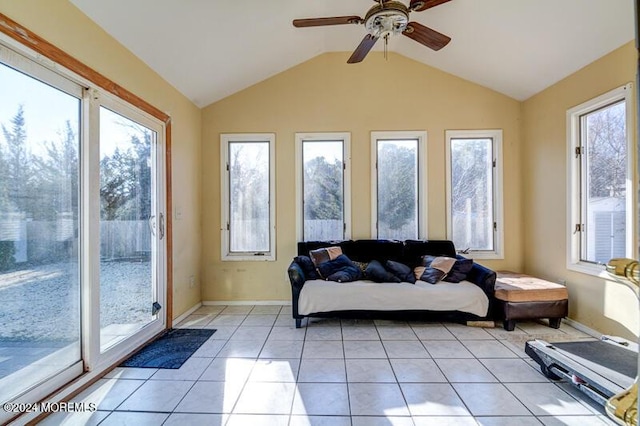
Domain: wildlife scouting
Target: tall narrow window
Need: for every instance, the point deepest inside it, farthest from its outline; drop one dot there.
(397, 196)
(474, 191)
(602, 207)
(248, 197)
(323, 186)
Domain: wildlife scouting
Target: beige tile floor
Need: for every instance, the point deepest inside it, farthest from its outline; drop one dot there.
(257, 369)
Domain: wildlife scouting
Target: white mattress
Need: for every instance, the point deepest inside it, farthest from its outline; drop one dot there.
(325, 296)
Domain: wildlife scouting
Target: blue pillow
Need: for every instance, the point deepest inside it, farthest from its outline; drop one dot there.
(428, 274)
(433, 269)
(307, 266)
(401, 271)
(340, 269)
(459, 271)
(376, 272)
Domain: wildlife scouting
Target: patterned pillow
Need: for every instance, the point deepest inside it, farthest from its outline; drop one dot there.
(459, 271)
(434, 269)
(325, 254)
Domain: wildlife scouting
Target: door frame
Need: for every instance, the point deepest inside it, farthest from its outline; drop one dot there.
(93, 357)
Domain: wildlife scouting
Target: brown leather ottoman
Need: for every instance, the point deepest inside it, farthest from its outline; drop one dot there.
(522, 297)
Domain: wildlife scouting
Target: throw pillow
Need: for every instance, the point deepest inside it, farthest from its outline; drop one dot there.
(361, 265)
(324, 254)
(307, 267)
(340, 269)
(401, 271)
(434, 269)
(376, 272)
(459, 270)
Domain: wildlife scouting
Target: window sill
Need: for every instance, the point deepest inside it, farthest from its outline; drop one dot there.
(484, 255)
(248, 257)
(598, 271)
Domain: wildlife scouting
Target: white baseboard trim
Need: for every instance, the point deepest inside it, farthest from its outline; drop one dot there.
(182, 317)
(581, 327)
(246, 302)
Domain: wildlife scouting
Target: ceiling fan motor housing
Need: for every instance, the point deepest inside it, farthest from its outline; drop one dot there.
(391, 17)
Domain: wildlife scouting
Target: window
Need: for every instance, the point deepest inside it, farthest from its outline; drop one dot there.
(601, 203)
(248, 207)
(474, 191)
(398, 185)
(323, 186)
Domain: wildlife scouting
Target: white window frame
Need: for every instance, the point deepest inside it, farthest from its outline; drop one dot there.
(574, 179)
(498, 195)
(345, 138)
(421, 136)
(227, 254)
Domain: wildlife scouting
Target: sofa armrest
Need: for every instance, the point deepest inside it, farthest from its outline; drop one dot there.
(483, 277)
(296, 276)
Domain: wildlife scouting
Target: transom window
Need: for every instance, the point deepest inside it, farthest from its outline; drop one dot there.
(398, 187)
(602, 204)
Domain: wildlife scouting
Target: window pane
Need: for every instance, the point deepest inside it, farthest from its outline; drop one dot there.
(323, 189)
(39, 236)
(605, 165)
(249, 196)
(127, 215)
(472, 193)
(398, 189)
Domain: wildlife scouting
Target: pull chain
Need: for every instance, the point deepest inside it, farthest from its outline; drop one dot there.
(386, 42)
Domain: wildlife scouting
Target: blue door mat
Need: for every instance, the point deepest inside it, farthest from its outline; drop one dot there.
(170, 350)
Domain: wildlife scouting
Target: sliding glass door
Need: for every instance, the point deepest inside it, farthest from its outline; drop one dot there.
(40, 285)
(82, 246)
(131, 228)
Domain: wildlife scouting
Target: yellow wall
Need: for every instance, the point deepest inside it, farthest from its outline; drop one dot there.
(322, 95)
(63, 25)
(604, 306)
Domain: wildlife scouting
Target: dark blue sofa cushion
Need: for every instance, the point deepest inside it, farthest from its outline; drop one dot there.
(307, 267)
(459, 271)
(401, 271)
(376, 272)
(340, 269)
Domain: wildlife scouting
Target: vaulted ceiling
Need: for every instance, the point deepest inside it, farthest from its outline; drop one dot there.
(210, 49)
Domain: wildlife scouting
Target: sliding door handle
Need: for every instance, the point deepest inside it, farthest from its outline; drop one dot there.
(161, 228)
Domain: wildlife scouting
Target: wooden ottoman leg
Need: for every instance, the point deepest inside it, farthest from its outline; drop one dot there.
(554, 322)
(298, 322)
(509, 325)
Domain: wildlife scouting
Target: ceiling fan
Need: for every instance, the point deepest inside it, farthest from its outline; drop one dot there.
(386, 18)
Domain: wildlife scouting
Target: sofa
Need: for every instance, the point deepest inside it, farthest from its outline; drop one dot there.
(313, 295)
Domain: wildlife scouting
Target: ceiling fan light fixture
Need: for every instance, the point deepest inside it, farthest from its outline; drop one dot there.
(387, 18)
(386, 22)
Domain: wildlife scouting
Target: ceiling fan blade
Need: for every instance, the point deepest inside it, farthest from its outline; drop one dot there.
(318, 22)
(363, 49)
(420, 5)
(425, 35)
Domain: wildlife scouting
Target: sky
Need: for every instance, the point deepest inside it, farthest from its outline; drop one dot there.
(46, 111)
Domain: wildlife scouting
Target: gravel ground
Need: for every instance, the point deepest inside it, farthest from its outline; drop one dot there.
(42, 303)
